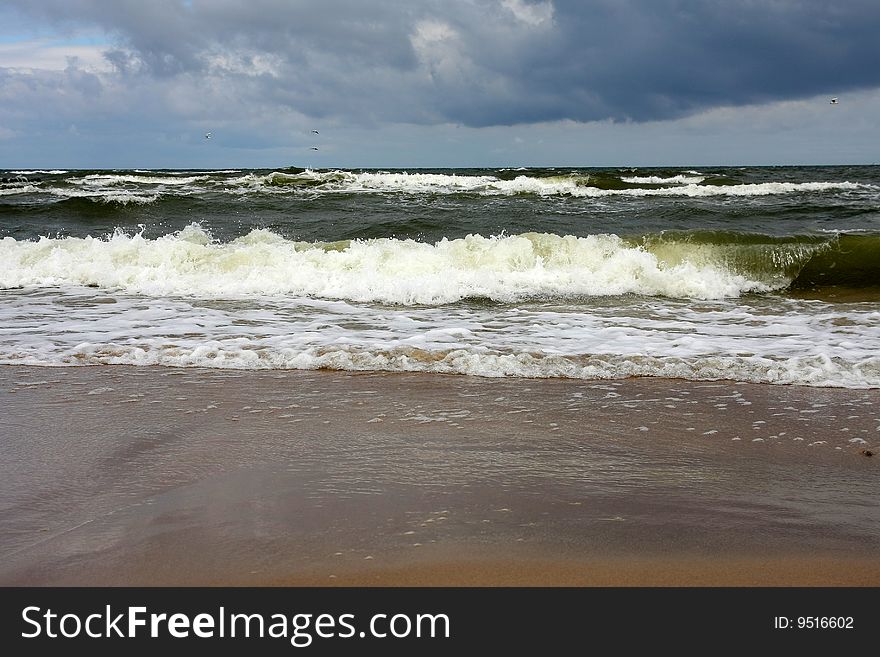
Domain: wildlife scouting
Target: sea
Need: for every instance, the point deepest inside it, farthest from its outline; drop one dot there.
(746, 274)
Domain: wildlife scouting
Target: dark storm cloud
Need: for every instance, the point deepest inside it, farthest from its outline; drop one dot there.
(495, 62)
(661, 59)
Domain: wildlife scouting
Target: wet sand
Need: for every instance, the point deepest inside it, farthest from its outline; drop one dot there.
(160, 476)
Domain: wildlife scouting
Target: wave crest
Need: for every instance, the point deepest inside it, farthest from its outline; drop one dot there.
(501, 268)
(573, 184)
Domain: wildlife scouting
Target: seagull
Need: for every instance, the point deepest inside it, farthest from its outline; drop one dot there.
(314, 148)
(208, 135)
(316, 132)
(834, 101)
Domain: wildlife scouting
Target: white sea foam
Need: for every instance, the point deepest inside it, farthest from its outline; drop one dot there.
(24, 189)
(755, 189)
(660, 180)
(799, 371)
(564, 185)
(93, 180)
(121, 196)
(387, 270)
(43, 171)
(185, 172)
(314, 182)
(783, 342)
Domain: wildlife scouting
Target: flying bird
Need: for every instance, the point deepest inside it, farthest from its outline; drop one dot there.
(208, 135)
(834, 101)
(314, 148)
(316, 132)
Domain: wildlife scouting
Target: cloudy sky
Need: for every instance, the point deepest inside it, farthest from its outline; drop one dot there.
(407, 83)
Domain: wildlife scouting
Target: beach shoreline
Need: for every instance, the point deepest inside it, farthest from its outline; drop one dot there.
(120, 475)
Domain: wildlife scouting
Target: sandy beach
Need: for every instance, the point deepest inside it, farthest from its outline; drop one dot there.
(162, 476)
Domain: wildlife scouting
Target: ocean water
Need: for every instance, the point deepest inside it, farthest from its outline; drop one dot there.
(758, 274)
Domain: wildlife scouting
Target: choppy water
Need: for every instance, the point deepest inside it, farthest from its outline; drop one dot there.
(767, 274)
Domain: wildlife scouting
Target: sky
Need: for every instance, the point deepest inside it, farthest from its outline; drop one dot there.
(437, 83)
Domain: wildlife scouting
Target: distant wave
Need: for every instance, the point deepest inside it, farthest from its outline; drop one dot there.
(19, 189)
(577, 185)
(664, 180)
(142, 186)
(119, 197)
(108, 179)
(43, 171)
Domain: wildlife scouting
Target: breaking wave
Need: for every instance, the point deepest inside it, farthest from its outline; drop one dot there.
(705, 265)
